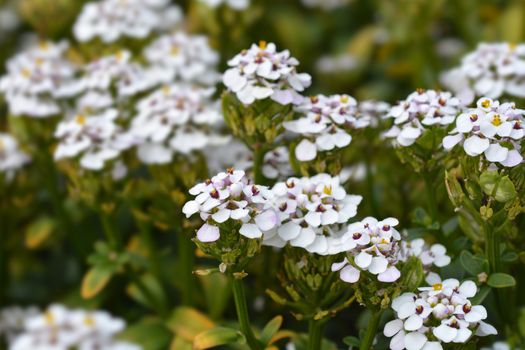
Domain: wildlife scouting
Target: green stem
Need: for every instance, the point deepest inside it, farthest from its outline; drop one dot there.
(373, 324)
(431, 197)
(187, 262)
(315, 334)
(492, 248)
(242, 314)
(109, 230)
(145, 231)
(258, 162)
(374, 208)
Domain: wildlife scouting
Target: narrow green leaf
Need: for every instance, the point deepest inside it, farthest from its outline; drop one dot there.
(217, 336)
(271, 328)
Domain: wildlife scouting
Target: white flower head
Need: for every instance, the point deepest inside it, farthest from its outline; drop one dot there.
(491, 129)
(372, 111)
(62, 328)
(238, 5)
(313, 214)
(110, 20)
(435, 315)
(420, 111)
(36, 78)
(276, 163)
(184, 57)
(175, 119)
(261, 72)
(231, 197)
(12, 320)
(375, 249)
(324, 123)
(11, 157)
(95, 138)
(492, 70)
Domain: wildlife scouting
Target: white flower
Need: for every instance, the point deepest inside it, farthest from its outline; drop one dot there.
(375, 249)
(421, 110)
(95, 138)
(324, 124)
(36, 78)
(234, 4)
(11, 157)
(176, 118)
(229, 196)
(313, 213)
(261, 72)
(62, 328)
(110, 20)
(12, 320)
(435, 255)
(372, 111)
(492, 129)
(184, 57)
(276, 163)
(492, 70)
(438, 314)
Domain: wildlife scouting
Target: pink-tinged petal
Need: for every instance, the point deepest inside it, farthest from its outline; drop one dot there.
(283, 97)
(391, 274)
(221, 215)
(468, 289)
(392, 328)
(363, 260)
(233, 80)
(463, 335)
(313, 218)
(349, 274)
(250, 231)
(305, 238)
(261, 93)
(208, 233)
(338, 266)
(306, 151)
(445, 333)
(378, 265)
(238, 214)
(413, 323)
(289, 231)
(266, 220)
(485, 329)
(513, 158)
(475, 145)
(398, 341)
(451, 140)
(406, 309)
(318, 246)
(432, 345)
(190, 208)
(496, 153)
(415, 341)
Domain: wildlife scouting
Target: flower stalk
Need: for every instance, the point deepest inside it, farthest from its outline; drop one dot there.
(373, 324)
(241, 307)
(315, 334)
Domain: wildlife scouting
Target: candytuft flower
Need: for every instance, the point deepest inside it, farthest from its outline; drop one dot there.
(375, 249)
(492, 129)
(492, 70)
(11, 157)
(313, 213)
(421, 110)
(175, 118)
(441, 313)
(95, 138)
(261, 72)
(184, 57)
(324, 124)
(110, 20)
(435, 255)
(230, 197)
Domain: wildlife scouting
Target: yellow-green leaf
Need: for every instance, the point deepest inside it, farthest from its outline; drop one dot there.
(217, 336)
(39, 231)
(188, 322)
(94, 281)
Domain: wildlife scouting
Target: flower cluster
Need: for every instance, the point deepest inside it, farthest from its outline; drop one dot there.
(438, 314)
(234, 4)
(175, 118)
(492, 129)
(110, 20)
(231, 196)
(95, 138)
(261, 72)
(375, 250)
(435, 255)
(313, 213)
(11, 157)
(62, 328)
(492, 70)
(324, 120)
(12, 320)
(276, 163)
(372, 111)
(36, 78)
(184, 57)
(422, 109)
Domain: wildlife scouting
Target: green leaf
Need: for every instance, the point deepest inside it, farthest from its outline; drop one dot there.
(481, 295)
(154, 288)
(506, 190)
(471, 263)
(216, 337)
(501, 280)
(271, 328)
(352, 341)
(150, 334)
(188, 322)
(217, 291)
(39, 231)
(95, 280)
(497, 186)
